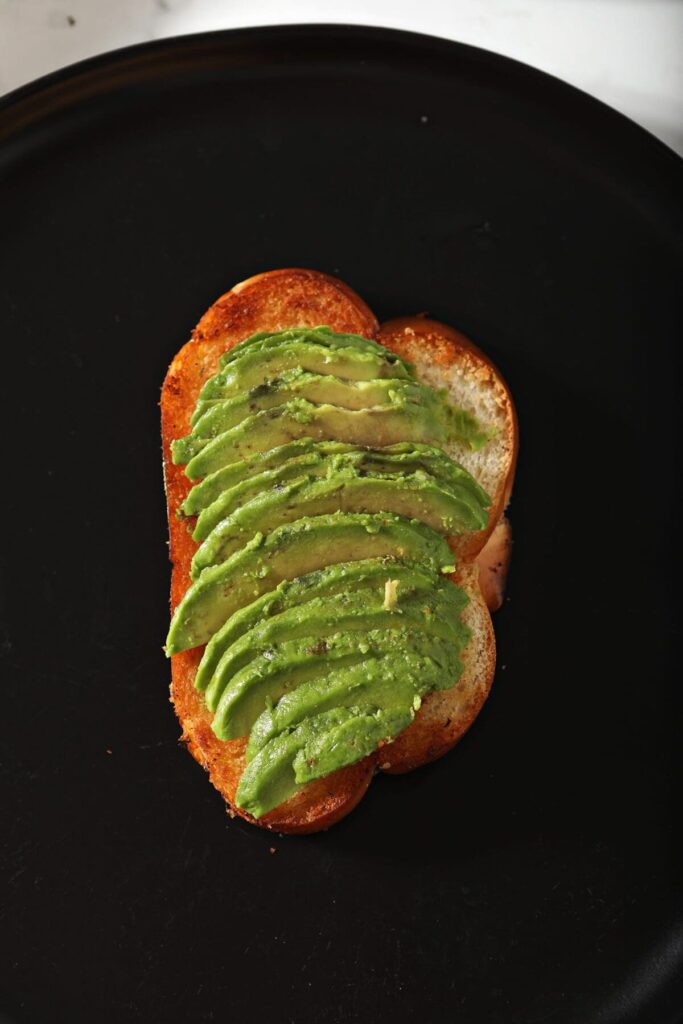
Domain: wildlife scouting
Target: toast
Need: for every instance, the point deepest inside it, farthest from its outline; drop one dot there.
(443, 358)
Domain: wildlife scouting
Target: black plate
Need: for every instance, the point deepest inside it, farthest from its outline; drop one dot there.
(533, 875)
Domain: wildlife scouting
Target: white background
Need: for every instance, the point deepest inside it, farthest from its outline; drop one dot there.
(628, 53)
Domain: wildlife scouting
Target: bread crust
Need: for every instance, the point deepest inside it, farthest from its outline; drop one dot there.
(493, 562)
(273, 301)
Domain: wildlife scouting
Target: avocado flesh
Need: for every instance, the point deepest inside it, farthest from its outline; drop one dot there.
(405, 456)
(297, 417)
(433, 610)
(215, 416)
(211, 487)
(293, 550)
(312, 750)
(414, 496)
(318, 335)
(251, 367)
(232, 504)
(376, 427)
(361, 734)
(316, 668)
(235, 498)
(398, 670)
(333, 579)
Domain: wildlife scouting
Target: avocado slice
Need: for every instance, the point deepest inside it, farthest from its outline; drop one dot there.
(291, 666)
(410, 457)
(230, 501)
(252, 366)
(399, 669)
(361, 734)
(406, 456)
(212, 486)
(377, 426)
(359, 464)
(322, 335)
(414, 496)
(426, 603)
(293, 550)
(341, 578)
(214, 416)
(293, 758)
(322, 650)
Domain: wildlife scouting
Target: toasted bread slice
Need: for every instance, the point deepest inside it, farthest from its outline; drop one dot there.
(293, 298)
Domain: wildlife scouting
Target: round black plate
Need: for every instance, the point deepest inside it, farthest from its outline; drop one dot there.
(532, 875)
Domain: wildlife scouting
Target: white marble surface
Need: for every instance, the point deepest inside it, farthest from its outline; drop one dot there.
(628, 53)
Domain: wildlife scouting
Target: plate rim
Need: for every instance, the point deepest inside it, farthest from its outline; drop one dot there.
(34, 96)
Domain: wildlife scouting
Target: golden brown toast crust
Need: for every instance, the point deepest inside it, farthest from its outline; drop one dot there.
(275, 301)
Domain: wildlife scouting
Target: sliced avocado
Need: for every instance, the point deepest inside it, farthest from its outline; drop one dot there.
(415, 496)
(361, 734)
(326, 655)
(427, 604)
(215, 416)
(333, 579)
(318, 335)
(289, 760)
(319, 588)
(252, 339)
(398, 671)
(406, 456)
(271, 481)
(212, 486)
(252, 366)
(293, 550)
(458, 484)
(376, 427)
(269, 677)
